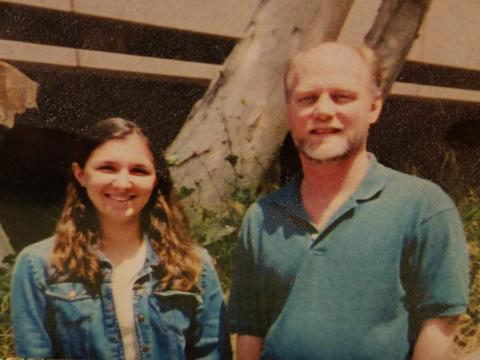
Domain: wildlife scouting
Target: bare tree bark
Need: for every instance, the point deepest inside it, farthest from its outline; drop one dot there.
(232, 135)
(17, 93)
(392, 34)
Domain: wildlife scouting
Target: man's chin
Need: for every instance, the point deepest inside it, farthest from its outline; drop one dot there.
(330, 153)
(327, 156)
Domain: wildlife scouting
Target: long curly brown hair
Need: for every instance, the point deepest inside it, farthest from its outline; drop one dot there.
(78, 230)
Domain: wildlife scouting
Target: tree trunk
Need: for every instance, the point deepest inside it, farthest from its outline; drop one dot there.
(17, 93)
(232, 135)
(392, 34)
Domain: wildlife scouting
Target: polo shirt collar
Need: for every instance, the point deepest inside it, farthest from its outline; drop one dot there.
(374, 181)
(372, 185)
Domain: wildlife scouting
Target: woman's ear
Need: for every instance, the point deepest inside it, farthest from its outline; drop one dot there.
(78, 173)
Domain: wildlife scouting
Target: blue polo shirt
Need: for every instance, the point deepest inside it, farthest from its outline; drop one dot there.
(392, 256)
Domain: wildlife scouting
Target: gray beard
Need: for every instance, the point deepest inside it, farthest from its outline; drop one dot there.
(352, 149)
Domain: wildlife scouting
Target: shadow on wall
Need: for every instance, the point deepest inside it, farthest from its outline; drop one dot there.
(34, 155)
(421, 135)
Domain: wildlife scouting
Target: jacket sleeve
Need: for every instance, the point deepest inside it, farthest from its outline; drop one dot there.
(211, 340)
(28, 309)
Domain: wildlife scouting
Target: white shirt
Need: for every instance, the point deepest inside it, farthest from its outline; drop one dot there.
(123, 277)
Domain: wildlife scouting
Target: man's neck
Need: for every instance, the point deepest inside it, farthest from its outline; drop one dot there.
(326, 186)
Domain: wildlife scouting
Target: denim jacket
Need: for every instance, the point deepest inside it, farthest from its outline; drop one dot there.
(63, 320)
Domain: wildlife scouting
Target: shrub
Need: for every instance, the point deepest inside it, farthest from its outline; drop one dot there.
(6, 339)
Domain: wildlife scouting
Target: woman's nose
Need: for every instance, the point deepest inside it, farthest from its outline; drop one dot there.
(122, 180)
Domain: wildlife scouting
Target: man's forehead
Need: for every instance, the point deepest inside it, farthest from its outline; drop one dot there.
(330, 57)
(334, 65)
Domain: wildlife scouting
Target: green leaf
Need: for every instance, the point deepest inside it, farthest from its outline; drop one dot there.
(185, 192)
(171, 160)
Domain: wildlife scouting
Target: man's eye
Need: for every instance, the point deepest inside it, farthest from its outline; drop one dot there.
(342, 98)
(307, 100)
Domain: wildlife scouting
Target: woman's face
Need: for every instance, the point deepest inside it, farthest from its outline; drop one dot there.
(119, 177)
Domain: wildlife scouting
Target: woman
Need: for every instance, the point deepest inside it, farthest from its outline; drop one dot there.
(120, 278)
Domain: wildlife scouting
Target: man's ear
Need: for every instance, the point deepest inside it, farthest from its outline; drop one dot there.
(78, 173)
(376, 108)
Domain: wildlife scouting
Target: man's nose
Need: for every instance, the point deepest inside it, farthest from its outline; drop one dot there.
(324, 107)
(122, 180)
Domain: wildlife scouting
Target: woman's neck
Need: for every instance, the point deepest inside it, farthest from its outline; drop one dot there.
(120, 241)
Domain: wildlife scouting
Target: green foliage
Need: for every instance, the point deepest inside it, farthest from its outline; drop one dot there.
(185, 192)
(6, 339)
(218, 231)
(468, 337)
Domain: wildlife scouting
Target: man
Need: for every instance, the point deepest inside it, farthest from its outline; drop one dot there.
(352, 260)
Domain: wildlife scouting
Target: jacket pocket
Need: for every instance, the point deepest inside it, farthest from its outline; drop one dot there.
(73, 309)
(173, 320)
(176, 309)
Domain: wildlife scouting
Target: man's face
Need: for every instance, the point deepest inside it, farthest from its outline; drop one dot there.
(331, 103)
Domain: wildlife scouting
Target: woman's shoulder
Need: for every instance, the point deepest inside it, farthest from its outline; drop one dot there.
(37, 254)
(203, 254)
(209, 276)
(208, 263)
(39, 249)
(33, 262)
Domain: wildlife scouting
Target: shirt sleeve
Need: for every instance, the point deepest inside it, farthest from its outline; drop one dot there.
(441, 263)
(248, 311)
(28, 306)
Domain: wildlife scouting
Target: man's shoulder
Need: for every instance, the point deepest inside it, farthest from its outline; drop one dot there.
(411, 188)
(268, 207)
(284, 196)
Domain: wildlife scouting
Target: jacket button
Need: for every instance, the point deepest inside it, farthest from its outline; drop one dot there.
(145, 348)
(141, 318)
(71, 294)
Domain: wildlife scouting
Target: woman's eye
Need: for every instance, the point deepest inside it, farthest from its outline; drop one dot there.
(140, 171)
(106, 168)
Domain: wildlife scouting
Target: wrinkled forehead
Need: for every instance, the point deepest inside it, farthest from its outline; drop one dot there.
(328, 60)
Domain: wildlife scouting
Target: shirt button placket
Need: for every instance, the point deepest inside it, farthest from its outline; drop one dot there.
(313, 238)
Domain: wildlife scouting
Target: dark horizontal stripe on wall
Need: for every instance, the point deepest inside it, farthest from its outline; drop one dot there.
(439, 75)
(51, 27)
